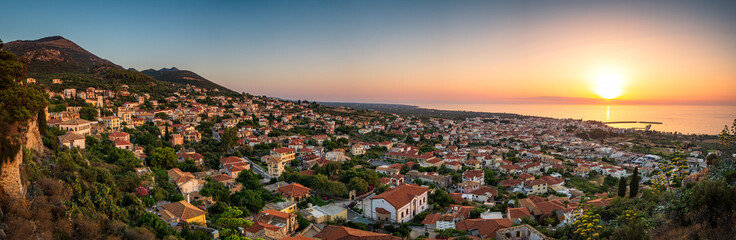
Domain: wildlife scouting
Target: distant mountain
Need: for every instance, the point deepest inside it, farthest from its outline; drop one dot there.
(58, 55)
(182, 76)
(411, 110)
(55, 55)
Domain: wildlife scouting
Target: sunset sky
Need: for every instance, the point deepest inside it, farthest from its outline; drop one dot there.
(412, 51)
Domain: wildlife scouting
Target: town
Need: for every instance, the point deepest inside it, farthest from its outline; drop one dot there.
(235, 166)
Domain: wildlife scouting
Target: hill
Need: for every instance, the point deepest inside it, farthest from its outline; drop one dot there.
(58, 57)
(409, 110)
(55, 55)
(184, 77)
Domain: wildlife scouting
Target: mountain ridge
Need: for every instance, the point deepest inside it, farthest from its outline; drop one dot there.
(58, 55)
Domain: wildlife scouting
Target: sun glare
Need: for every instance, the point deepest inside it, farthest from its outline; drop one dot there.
(608, 83)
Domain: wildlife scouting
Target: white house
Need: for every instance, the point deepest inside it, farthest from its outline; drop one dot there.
(398, 205)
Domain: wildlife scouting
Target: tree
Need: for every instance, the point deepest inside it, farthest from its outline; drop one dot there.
(248, 199)
(163, 157)
(249, 179)
(441, 199)
(712, 202)
(230, 137)
(218, 191)
(358, 184)
(230, 221)
(622, 187)
(88, 113)
(634, 185)
(161, 115)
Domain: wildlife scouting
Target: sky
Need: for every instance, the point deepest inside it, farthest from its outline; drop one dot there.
(664, 52)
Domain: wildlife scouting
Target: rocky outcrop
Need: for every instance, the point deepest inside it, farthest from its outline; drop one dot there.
(26, 135)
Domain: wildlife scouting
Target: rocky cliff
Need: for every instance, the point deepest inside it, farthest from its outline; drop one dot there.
(25, 135)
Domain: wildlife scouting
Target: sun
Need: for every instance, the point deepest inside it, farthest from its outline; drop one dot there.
(608, 82)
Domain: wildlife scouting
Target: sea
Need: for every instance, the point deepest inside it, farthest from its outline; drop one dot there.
(687, 119)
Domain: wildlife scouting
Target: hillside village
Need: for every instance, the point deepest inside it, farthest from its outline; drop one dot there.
(263, 168)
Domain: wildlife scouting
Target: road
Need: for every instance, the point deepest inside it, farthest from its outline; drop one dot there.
(258, 170)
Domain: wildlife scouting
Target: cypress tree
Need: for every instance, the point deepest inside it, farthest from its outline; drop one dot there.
(634, 185)
(622, 187)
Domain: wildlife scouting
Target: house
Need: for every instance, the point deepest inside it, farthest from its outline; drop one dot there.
(284, 154)
(521, 232)
(294, 192)
(483, 228)
(185, 181)
(274, 164)
(177, 139)
(181, 211)
(333, 232)
(190, 155)
(285, 222)
(454, 165)
(482, 194)
(76, 125)
(232, 166)
(467, 187)
(399, 204)
(72, 139)
(428, 177)
(509, 169)
(516, 214)
(119, 135)
(111, 122)
(122, 144)
(475, 175)
(357, 149)
(535, 187)
(319, 215)
(283, 206)
(264, 231)
(338, 155)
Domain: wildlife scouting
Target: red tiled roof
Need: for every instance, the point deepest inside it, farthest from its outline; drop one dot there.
(486, 227)
(514, 213)
(401, 195)
(294, 190)
(333, 232)
(283, 150)
(476, 173)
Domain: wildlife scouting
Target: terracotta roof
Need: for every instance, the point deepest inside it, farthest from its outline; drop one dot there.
(486, 227)
(121, 142)
(476, 173)
(75, 121)
(283, 150)
(178, 176)
(222, 178)
(432, 218)
(382, 211)
(258, 226)
(511, 182)
(231, 159)
(70, 136)
(294, 190)
(297, 238)
(483, 190)
(333, 232)
(514, 213)
(401, 195)
(549, 207)
(183, 210)
(274, 213)
(119, 134)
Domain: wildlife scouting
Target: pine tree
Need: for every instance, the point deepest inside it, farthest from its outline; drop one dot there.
(634, 185)
(622, 187)
(166, 133)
